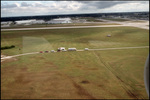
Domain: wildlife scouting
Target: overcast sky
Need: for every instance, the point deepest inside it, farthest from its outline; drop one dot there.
(27, 8)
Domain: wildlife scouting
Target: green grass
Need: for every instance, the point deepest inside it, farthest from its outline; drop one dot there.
(79, 38)
(111, 74)
(138, 21)
(90, 19)
(59, 25)
(116, 19)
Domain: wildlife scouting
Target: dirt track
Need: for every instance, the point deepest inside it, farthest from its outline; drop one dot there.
(9, 57)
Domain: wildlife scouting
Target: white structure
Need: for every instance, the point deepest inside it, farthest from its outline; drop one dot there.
(86, 49)
(25, 21)
(59, 21)
(6, 23)
(52, 50)
(72, 49)
(61, 49)
(64, 50)
(38, 22)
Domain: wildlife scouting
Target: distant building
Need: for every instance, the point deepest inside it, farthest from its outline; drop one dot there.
(25, 21)
(59, 21)
(6, 23)
(38, 22)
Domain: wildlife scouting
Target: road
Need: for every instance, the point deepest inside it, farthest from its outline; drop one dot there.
(143, 25)
(60, 27)
(8, 57)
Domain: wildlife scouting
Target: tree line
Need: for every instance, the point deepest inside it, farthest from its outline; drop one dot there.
(7, 47)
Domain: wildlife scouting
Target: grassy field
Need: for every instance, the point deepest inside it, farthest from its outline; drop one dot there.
(138, 21)
(58, 25)
(112, 74)
(90, 19)
(116, 19)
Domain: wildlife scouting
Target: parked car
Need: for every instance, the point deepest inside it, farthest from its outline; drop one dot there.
(52, 50)
(61, 49)
(72, 49)
(86, 49)
(41, 51)
(58, 50)
(46, 51)
(64, 50)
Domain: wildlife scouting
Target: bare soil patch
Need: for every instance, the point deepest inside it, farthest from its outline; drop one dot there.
(85, 82)
(39, 85)
(8, 60)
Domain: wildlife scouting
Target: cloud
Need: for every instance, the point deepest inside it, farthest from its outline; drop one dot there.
(9, 6)
(100, 4)
(25, 4)
(26, 8)
(39, 4)
(128, 7)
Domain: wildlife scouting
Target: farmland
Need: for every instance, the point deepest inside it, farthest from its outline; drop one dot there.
(112, 74)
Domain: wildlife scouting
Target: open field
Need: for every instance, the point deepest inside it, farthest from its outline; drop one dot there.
(116, 74)
(116, 19)
(58, 25)
(90, 19)
(138, 21)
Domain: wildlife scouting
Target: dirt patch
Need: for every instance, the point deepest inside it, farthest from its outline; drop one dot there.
(40, 57)
(19, 83)
(92, 68)
(82, 92)
(3, 56)
(50, 65)
(85, 82)
(8, 60)
(79, 66)
(100, 85)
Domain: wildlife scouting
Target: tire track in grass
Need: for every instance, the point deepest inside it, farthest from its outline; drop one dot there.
(123, 84)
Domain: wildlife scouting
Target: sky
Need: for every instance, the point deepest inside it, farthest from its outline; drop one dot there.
(31, 8)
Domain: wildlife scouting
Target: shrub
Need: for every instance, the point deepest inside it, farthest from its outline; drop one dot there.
(7, 47)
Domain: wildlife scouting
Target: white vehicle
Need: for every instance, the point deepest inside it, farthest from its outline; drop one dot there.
(61, 49)
(72, 49)
(64, 50)
(52, 50)
(86, 49)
